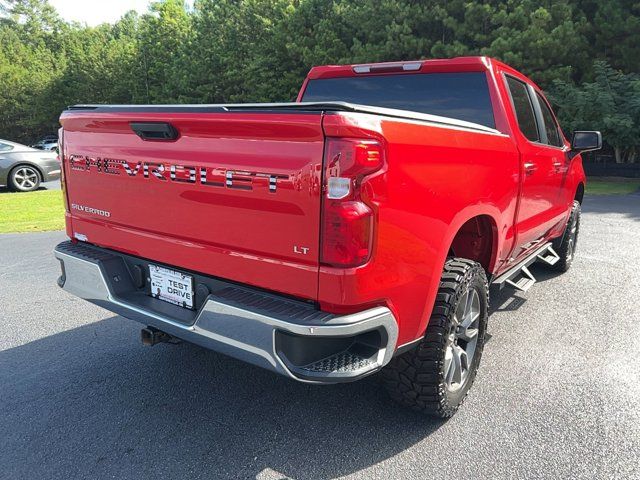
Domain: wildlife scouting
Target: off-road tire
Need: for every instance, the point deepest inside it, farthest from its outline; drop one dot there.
(565, 246)
(416, 379)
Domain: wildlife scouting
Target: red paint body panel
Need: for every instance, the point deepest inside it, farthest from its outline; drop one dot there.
(431, 186)
(435, 178)
(236, 233)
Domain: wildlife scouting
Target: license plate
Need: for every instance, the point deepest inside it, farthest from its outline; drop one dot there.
(171, 286)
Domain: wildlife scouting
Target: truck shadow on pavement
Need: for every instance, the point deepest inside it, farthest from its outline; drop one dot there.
(93, 403)
(510, 300)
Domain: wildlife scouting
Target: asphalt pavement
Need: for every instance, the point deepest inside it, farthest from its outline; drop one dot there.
(53, 185)
(557, 395)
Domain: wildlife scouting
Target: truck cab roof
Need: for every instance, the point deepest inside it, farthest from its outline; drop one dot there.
(436, 65)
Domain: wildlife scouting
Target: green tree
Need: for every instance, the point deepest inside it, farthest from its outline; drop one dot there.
(164, 44)
(31, 34)
(611, 104)
(260, 50)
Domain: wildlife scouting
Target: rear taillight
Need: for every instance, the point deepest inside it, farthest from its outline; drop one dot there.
(347, 220)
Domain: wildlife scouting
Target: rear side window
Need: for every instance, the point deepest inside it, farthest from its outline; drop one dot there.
(550, 125)
(4, 147)
(463, 96)
(524, 109)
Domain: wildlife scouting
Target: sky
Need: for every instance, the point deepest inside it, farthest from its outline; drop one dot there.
(94, 12)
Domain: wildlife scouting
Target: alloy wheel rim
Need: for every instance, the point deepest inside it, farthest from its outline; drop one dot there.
(462, 341)
(25, 178)
(572, 240)
(570, 249)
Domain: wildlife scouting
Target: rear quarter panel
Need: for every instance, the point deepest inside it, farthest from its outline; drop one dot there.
(435, 179)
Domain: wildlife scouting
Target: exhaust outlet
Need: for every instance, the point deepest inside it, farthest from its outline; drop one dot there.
(151, 336)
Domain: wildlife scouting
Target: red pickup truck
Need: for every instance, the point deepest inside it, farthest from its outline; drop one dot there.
(353, 231)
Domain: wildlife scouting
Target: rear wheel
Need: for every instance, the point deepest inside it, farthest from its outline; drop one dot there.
(24, 178)
(565, 246)
(436, 375)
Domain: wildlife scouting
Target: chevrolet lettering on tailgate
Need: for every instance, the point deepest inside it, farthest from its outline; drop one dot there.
(214, 177)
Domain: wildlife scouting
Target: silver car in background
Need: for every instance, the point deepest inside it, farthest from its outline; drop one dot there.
(23, 168)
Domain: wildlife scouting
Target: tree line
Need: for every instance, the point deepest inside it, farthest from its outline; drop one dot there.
(584, 53)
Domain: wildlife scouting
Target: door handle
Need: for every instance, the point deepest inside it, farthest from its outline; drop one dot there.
(530, 167)
(557, 165)
(158, 131)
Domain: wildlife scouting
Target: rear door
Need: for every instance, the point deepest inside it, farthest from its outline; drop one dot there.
(557, 151)
(538, 210)
(235, 195)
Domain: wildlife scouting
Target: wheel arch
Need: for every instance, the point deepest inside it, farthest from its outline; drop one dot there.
(457, 229)
(579, 193)
(476, 238)
(23, 163)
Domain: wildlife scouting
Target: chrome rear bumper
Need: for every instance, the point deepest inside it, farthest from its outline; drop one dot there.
(288, 337)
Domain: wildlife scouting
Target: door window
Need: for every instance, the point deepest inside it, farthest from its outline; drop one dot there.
(524, 109)
(550, 126)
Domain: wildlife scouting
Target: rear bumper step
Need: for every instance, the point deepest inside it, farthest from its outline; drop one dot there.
(288, 337)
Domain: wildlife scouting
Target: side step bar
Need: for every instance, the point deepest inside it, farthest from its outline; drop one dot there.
(519, 276)
(550, 257)
(522, 280)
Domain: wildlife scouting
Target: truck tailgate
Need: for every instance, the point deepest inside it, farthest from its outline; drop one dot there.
(236, 195)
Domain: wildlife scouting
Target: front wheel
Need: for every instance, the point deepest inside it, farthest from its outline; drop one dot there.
(436, 376)
(24, 178)
(565, 246)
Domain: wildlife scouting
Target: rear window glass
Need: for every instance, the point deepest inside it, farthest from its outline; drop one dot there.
(463, 96)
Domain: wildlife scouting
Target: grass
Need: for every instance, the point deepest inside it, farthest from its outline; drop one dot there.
(31, 212)
(611, 186)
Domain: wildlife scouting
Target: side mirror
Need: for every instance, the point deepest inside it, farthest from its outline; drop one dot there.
(586, 141)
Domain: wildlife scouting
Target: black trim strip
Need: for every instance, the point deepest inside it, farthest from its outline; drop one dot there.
(298, 107)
